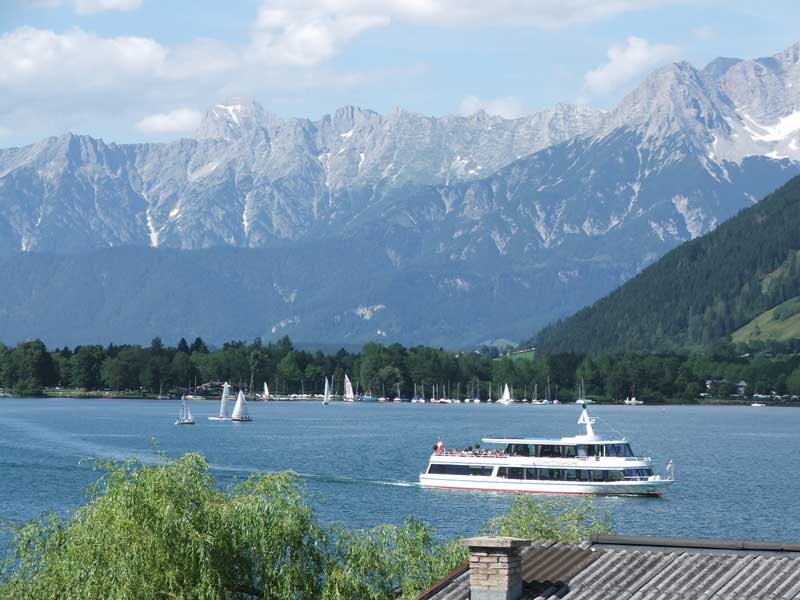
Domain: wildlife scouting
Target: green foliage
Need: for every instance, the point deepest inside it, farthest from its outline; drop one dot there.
(28, 368)
(388, 562)
(653, 377)
(166, 531)
(702, 291)
(781, 323)
(534, 519)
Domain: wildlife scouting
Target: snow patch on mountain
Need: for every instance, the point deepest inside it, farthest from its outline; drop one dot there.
(152, 228)
(284, 323)
(696, 221)
(287, 294)
(367, 312)
(232, 110)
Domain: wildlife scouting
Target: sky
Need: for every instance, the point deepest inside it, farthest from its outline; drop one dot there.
(146, 70)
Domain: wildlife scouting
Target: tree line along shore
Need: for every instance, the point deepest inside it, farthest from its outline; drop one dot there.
(721, 373)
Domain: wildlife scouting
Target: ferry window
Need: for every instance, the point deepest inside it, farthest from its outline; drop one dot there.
(519, 450)
(615, 476)
(581, 450)
(502, 472)
(550, 474)
(626, 448)
(583, 475)
(438, 469)
(592, 451)
(568, 451)
(481, 471)
(550, 452)
(598, 475)
(619, 450)
(531, 473)
(571, 475)
(647, 472)
(516, 473)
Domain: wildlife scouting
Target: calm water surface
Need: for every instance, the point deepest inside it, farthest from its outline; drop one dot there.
(736, 466)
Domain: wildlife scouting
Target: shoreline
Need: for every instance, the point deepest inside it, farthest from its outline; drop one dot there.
(102, 395)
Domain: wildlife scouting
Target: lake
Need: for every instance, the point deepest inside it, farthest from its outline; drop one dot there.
(736, 467)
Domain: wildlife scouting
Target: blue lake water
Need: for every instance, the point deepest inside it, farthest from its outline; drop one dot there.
(736, 467)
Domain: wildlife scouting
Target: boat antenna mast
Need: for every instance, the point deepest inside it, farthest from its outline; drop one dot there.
(587, 422)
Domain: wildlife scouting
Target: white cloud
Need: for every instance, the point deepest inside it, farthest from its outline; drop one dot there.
(80, 59)
(88, 7)
(53, 81)
(626, 63)
(309, 32)
(298, 37)
(509, 107)
(180, 120)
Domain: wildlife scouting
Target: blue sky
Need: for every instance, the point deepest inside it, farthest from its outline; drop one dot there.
(142, 70)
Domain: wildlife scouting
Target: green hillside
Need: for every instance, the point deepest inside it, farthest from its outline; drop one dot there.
(701, 292)
(780, 323)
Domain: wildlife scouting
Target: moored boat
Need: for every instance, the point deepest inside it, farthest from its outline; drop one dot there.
(349, 396)
(587, 463)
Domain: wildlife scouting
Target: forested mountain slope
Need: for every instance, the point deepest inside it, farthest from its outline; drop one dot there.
(700, 292)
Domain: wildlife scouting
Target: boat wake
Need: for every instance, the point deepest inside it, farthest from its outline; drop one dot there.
(322, 478)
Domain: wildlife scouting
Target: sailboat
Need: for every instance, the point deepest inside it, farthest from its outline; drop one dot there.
(240, 409)
(327, 397)
(506, 397)
(223, 404)
(185, 416)
(265, 395)
(349, 396)
(582, 399)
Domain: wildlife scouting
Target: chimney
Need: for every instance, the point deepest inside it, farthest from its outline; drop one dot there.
(495, 569)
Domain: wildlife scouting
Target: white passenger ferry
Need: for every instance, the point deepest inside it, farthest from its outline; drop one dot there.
(585, 464)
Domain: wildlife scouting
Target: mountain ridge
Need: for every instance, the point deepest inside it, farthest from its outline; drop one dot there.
(567, 203)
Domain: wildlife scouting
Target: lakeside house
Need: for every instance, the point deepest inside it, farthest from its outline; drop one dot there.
(615, 567)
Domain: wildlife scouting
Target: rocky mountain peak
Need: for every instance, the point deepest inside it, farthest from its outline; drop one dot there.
(674, 105)
(233, 119)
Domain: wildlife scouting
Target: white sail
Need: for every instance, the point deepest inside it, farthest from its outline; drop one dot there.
(240, 409)
(506, 397)
(266, 391)
(349, 396)
(223, 405)
(185, 415)
(327, 397)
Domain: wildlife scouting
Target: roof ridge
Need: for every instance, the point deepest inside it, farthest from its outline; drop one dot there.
(696, 543)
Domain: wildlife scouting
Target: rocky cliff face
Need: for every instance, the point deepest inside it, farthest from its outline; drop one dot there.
(540, 214)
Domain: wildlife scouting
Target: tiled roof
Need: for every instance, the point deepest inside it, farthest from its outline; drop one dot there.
(640, 568)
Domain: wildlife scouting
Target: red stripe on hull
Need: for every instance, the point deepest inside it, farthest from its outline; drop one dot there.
(471, 489)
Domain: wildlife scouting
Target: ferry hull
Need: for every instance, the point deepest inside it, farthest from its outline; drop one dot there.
(654, 487)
